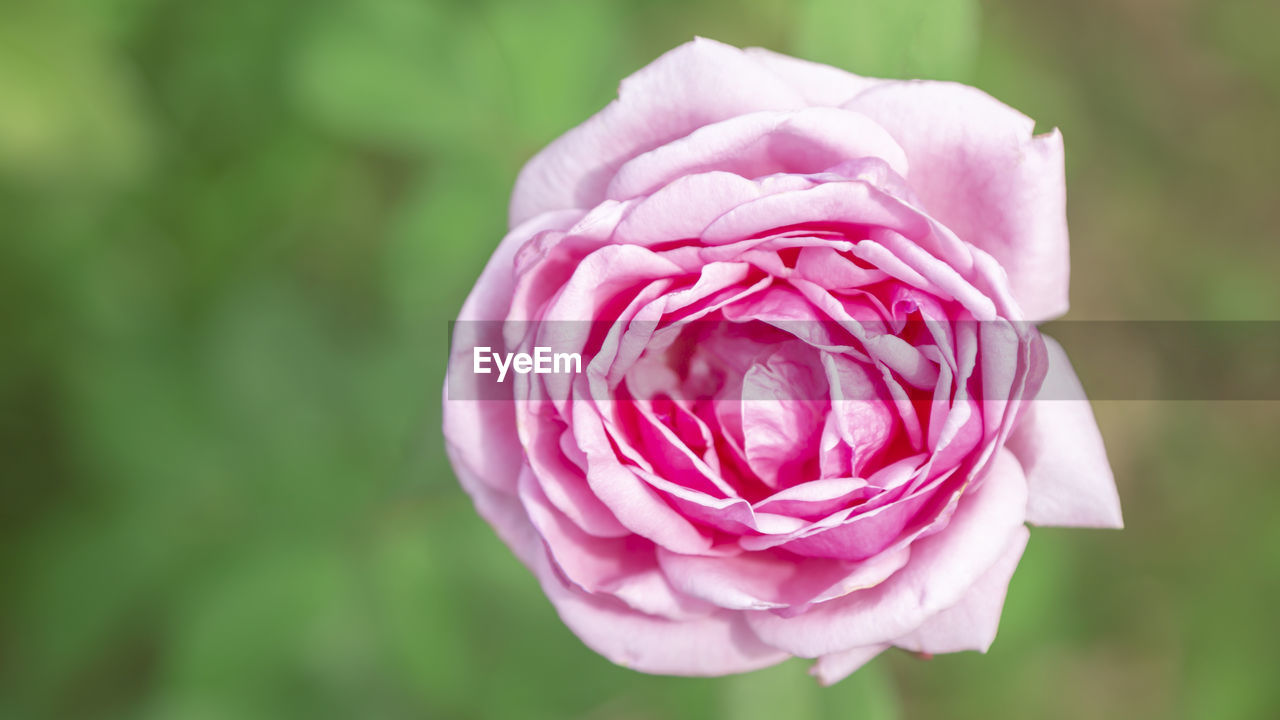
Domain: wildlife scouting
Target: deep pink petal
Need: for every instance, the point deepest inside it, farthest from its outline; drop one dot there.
(635, 503)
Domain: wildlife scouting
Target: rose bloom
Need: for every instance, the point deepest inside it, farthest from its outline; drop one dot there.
(804, 425)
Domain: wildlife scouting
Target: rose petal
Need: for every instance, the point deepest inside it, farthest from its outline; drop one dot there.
(633, 502)
(976, 167)
(758, 144)
(816, 498)
(696, 84)
(875, 523)
(718, 644)
(1056, 438)
(971, 624)
(683, 208)
(715, 644)
(818, 84)
(465, 418)
(849, 203)
(829, 269)
(559, 467)
(834, 667)
(943, 567)
(771, 579)
(781, 415)
(625, 568)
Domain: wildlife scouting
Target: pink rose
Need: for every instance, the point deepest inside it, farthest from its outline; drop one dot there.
(802, 425)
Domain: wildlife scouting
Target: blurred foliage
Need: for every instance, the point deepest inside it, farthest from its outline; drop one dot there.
(890, 38)
(234, 232)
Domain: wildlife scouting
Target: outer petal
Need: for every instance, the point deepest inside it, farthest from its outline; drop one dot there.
(831, 669)
(855, 203)
(758, 144)
(467, 421)
(1069, 480)
(971, 624)
(765, 580)
(819, 84)
(622, 567)
(713, 645)
(976, 167)
(696, 84)
(717, 644)
(684, 208)
(943, 567)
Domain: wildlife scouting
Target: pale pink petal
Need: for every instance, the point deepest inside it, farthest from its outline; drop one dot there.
(781, 417)
(683, 208)
(717, 644)
(465, 418)
(943, 278)
(971, 624)
(601, 278)
(829, 269)
(1057, 440)
(506, 514)
(977, 168)
(548, 260)
(819, 84)
(625, 568)
(817, 498)
(861, 536)
(732, 515)
(859, 417)
(771, 580)
(943, 567)
(853, 202)
(758, 144)
(834, 667)
(559, 467)
(696, 84)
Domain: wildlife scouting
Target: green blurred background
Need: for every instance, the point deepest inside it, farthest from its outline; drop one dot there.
(232, 234)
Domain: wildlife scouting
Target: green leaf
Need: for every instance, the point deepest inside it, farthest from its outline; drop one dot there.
(891, 38)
